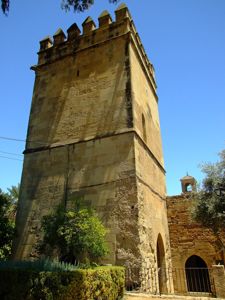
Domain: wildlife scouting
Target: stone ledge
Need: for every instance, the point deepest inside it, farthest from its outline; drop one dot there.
(140, 296)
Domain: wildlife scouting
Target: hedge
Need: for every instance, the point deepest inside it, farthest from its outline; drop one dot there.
(100, 283)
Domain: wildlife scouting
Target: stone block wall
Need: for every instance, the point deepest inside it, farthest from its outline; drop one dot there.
(189, 238)
(219, 280)
(94, 133)
(101, 173)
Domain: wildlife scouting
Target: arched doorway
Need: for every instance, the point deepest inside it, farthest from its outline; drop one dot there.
(161, 265)
(197, 275)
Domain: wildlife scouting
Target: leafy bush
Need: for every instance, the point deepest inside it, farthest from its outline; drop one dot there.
(6, 226)
(76, 235)
(8, 207)
(105, 283)
(38, 265)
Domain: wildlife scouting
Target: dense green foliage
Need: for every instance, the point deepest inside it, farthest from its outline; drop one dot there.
(37, 265)
(13, 193)
(8, 206)
(6, 227)
(87, 284)
(209, 207)
(76, 5)
(75, 235)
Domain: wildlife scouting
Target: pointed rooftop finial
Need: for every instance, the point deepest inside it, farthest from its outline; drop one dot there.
(122, 12)
(59, 37)
(45, 43)
(104, 19)
(88, 25)
(73, 31)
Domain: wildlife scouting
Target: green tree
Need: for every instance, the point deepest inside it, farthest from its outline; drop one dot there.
(13, 196)
(76, 5)
(7, 224)
(209, 208)
(75, 235)
(8, 208)
(13, 193)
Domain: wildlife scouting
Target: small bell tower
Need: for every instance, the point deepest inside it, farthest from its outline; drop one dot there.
(188, 184)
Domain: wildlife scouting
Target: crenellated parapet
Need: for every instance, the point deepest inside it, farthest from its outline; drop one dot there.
(64, 45)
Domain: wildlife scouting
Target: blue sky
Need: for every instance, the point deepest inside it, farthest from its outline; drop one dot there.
(185, 41)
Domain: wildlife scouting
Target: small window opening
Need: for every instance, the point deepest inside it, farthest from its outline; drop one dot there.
(144, 128)
(78, 73)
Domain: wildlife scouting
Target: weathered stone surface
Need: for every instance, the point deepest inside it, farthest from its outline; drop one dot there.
(188, 237)
(94, 134)
(219, 279)
(136, 296)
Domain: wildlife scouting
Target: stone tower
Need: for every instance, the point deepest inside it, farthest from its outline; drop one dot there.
(94, 133)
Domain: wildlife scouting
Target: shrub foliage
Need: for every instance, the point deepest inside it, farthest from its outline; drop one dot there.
(75, 235)
(83, 284)
(37, 265)
(6, 226)
(8, 207)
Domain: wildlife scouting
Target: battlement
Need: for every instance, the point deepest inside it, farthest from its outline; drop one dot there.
(61, 45)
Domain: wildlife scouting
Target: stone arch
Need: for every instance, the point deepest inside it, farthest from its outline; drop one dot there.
(197, 275)
(161, 265)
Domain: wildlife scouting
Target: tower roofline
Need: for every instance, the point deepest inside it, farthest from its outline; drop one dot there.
(108, 30)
